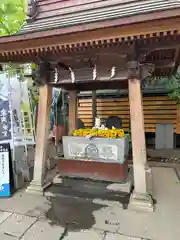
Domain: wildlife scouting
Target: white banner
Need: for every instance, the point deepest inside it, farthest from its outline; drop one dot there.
(21, 120)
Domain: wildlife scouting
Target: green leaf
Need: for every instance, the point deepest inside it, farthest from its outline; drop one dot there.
(172, 84)
(12, 16)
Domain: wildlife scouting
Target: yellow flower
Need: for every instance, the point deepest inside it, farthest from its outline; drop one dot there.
(121, 133)
(85, 132)
(100, 133)
(114, 133)
(94, 132)
(108, 133)
(75, 133)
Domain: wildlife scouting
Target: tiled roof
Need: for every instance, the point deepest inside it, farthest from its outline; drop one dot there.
(106, 12)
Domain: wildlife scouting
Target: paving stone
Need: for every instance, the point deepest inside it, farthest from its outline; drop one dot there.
(123, 187)
(39, 211)
(106, 220)
(85, 235)
(43, 230)
(4, 216)
(16, 225)
(7, 237)
(112, 236)
(16, 204)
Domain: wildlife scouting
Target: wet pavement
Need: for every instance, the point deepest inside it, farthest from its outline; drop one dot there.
(72, 214)
(27, 217)
(58, 219)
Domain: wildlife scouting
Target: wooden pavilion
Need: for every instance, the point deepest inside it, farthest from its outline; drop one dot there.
(93, 45)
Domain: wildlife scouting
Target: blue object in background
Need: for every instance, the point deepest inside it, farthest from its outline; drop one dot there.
(5, 170)
(5, 190)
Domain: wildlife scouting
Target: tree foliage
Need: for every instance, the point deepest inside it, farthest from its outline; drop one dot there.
(172, 84)
(12, 16)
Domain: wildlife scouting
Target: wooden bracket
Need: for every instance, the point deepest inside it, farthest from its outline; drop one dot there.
(146, 70)
(43, 74)
(137, 67)
(139, 71)
(133, 70)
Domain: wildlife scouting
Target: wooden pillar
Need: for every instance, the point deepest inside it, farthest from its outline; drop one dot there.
(178, 121)
(94, 106)
(72, 111)
(140, 198)
(137, 135)
(38, 184)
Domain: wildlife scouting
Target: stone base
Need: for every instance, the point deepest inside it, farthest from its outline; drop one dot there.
(28, 173)
(149, 181)
(37, 188)
(123, 187)
(51, 163)
(57, 179)
(93, 170)
(18, 180)
(141, 202)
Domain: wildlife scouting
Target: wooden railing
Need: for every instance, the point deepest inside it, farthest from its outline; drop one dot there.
(157, 109)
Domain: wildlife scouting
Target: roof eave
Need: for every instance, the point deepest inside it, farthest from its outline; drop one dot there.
(92, 26)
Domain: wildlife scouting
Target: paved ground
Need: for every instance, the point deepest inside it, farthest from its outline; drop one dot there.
(27, 217)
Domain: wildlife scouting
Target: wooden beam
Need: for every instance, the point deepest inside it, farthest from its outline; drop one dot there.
(148, 46)
(164, 64)
(85, 75)
(94, 106)
(72, 111)
(176, 60)
(151, 45)
(178, 121)
(93, 85)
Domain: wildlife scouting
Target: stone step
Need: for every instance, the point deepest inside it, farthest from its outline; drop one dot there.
(120, 200)
(99, 192)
